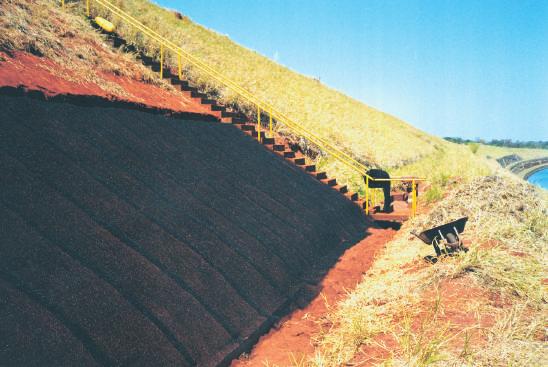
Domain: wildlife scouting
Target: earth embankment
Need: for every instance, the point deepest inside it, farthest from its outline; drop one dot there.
(131, 238)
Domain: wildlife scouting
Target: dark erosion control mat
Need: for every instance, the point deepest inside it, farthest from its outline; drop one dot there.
(129, 238)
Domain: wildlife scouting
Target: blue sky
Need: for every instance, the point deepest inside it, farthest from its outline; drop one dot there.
(468, 68)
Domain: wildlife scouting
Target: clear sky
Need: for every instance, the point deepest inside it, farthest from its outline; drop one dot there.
(468, 68)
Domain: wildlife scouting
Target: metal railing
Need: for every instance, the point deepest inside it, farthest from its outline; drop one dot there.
(261, 106)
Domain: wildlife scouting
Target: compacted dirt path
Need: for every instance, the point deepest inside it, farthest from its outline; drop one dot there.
(290, 340)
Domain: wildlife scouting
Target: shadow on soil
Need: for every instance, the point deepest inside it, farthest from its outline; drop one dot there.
(129, 237)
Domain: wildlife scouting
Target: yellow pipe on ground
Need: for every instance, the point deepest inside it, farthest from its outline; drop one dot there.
(105, 24)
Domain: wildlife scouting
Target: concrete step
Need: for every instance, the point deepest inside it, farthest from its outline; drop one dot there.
(268, 141)
(175, 81)
(239, 120)
(117, 41)
(167, 74)
(279, 147)
(399, 196)
(319, 175)
(188, 88)
(255, 134)
(353, 196)
(198, 95)
(130, 48)
(230, 114)
(329, 181)
(216, 114)
(247, 127)
(300, 161)
(310, 168)
(188, 94)
(389, 217)
(218, 108)
(289, 154)
(145, 59)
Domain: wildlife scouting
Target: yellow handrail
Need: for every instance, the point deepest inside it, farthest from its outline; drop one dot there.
(262, 106)
(296, 128)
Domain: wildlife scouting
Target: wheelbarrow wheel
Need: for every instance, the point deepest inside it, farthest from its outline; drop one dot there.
(454, 242)
(452, 239)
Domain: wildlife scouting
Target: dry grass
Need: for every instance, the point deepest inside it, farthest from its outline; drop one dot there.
(40, 27)
(503, 211)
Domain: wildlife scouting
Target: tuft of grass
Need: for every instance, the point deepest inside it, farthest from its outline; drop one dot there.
(435, 193)
(473, 147)
(424, 346)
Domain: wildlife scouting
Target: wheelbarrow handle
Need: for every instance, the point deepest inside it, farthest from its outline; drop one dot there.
(414, 233)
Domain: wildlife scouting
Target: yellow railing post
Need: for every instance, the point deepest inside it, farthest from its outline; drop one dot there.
(87, 8)
(179, 67)
(161, 61)
(270, 123)
(259, 123)
(414, 199)
(63, 4)
(367, 195)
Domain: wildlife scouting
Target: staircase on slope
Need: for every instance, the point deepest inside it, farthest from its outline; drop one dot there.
(276, 144)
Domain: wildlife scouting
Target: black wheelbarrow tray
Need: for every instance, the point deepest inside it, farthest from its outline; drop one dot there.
(446, 234)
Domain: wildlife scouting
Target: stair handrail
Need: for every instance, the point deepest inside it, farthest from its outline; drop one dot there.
(280, 117)
(261, 105)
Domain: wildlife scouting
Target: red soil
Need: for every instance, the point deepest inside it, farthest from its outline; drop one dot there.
(463, 310)
(24, 70)
(292, 336)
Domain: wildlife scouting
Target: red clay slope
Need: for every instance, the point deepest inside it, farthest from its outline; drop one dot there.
(130, 238)
(27, 71)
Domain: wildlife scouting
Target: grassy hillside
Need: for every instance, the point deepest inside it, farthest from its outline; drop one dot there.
(370, 135)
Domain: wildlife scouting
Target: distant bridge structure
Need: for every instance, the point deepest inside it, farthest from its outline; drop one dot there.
(526, 168)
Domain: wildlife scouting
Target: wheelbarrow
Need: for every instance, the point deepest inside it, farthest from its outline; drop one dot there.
(445, 238)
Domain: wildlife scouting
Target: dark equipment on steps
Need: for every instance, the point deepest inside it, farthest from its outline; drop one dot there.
(384, 185)
(445, 238)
